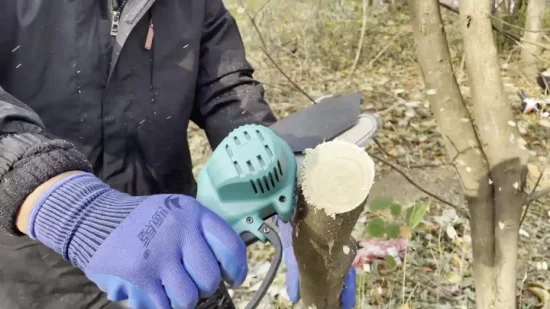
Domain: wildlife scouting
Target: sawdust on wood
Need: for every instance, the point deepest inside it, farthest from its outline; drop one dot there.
(336, 177)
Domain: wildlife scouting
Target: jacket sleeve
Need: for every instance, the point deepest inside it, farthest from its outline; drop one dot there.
(28, 157)
(227, 94)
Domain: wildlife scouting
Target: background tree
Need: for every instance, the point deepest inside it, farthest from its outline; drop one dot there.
(534, 24)
(460, 138)
(495, 180)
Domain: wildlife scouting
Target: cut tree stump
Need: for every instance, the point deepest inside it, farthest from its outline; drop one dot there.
(334, 182)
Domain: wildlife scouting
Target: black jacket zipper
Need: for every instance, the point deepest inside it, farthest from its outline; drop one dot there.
(117, 7)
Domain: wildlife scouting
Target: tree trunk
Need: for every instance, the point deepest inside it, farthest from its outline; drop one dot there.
(460, 139)
(502, 145)
(534, 22)
(335, 181)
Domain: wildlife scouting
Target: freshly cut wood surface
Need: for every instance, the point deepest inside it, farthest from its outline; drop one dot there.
(336, 177)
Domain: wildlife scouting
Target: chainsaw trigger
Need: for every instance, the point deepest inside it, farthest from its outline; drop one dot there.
(274, 239)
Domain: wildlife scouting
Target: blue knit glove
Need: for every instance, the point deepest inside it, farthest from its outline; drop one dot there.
(347, 298)
(157, 251)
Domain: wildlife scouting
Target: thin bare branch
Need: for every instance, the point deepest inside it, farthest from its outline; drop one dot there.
(412, 182)
(516, 27)
(501, 31)
(260, 9)
(383, 50)
(264, 50)
(448, 7)
(361, 38)
(520, 44)
(537, 195)
(506, 34)
(407, 166)
(543, 46)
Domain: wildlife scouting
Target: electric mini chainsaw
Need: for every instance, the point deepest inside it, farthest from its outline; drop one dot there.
(251, 175)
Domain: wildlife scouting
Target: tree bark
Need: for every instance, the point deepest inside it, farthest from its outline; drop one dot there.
(534, 22)
(460, 139)
(502, 145)
(335, 180)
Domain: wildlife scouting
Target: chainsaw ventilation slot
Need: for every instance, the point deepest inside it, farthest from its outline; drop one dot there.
(276, 174)
(263, 184)
(246, 135)
(268, 150)
(237, 141)
(260, 136)
(266, 184)
(262, 163)
(229, 151)
(250, 166)
(259, 182)
(237, 167)
(257, 186)
(254, 186)
(280, 169)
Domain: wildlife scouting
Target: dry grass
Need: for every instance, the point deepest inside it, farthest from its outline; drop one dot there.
(315, 43)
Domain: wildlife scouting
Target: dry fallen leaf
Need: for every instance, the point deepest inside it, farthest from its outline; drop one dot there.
(456, 261)
(451, 232)
(541, 292)
(453, 278)
(406, 232)
(377, 295)
(545, 123)
(534, 171)
(523, 232)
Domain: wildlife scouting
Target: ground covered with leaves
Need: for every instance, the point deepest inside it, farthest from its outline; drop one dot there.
(313, 44)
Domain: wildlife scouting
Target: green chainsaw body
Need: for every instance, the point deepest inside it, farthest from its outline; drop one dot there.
(249, 177)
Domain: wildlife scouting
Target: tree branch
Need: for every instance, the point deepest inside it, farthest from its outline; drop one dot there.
(536, 10)
(537, 195)
(407, 166)
(412, 182)
(361, 38)
(252, 20)
(501, 31)
(518, 27)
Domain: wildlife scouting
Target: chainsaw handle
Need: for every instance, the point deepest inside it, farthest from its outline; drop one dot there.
(221, 299)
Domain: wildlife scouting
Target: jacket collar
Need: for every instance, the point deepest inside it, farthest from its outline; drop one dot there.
(132, 12)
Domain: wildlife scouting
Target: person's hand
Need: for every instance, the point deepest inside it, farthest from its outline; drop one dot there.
(159, 251)
(348, 296)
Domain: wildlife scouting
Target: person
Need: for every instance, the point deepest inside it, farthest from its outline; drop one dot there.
(96, 186)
